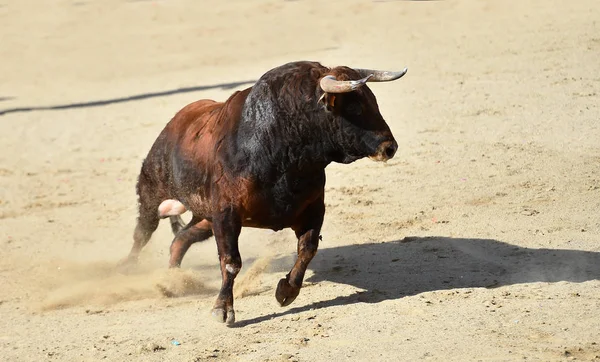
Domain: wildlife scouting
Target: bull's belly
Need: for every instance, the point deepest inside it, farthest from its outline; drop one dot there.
(276, 213)
(260, 213)
(273, 222)
(276, 207)
(274, 225)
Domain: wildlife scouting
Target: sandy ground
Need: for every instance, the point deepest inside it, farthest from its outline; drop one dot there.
(480, 240)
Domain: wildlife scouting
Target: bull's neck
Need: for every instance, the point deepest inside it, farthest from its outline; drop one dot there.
(277, 144)
(281, 131)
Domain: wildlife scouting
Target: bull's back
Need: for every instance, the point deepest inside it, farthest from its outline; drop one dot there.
(184, 159)
(193, 117)
(174, 143)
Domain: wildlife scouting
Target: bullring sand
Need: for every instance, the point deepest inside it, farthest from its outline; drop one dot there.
(478, 241)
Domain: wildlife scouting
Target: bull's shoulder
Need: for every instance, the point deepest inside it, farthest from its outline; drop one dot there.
(210, 115)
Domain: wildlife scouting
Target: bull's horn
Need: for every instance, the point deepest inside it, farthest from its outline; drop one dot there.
(331, 85)
(381, 75)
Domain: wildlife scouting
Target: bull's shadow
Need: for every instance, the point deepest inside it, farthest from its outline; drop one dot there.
(414, 265)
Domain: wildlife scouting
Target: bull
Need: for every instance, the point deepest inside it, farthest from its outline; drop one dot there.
(258, 160)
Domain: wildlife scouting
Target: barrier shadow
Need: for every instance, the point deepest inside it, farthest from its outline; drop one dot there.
(136, 97)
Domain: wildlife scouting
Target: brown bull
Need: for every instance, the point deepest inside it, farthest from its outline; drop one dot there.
(258, 160)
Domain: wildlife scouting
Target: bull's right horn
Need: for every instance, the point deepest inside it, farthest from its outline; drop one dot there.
(331, 85)
(381, 75)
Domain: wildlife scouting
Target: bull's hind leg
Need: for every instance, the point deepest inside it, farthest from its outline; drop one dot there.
(148, 200)
(195, 231)
(307, 230)
(146, 225)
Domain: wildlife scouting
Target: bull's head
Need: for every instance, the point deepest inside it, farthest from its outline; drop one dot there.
(361, 130)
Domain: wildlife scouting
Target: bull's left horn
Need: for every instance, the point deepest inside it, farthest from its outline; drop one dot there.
(331, 85)
(381, 75)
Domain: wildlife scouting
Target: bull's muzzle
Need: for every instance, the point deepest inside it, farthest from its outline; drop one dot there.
(385, 151)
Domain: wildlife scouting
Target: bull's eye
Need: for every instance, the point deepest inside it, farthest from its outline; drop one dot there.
(355, 108)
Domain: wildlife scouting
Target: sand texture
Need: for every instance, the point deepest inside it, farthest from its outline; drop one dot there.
(480, 240)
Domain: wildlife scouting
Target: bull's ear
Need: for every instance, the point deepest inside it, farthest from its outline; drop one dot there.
(328, 100)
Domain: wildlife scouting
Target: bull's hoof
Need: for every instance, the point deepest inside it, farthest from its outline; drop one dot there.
(285, 293)
(222, 316)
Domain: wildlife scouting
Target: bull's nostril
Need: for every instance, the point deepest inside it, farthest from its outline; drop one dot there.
(390, 151)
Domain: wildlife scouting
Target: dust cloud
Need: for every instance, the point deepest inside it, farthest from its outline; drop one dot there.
(64, 284)
(249, 283)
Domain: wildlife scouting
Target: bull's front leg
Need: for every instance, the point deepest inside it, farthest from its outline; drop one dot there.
(226, 227)
(307, 231)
